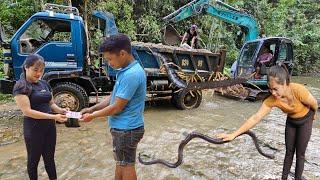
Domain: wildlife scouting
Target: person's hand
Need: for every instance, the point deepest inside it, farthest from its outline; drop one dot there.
(64, 110)
(226, 137)
(85, 110)
(86, 117)
(60, 118)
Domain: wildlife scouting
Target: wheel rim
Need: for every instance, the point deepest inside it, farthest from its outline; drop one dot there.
(189, 100)
(67, 99)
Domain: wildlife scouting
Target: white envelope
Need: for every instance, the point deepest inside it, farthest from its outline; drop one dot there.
(72, 114)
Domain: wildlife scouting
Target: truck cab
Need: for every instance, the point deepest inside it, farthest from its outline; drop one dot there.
(58, 38)
(57, 34)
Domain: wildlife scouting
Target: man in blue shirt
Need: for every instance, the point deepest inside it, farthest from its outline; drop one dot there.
(125, 106)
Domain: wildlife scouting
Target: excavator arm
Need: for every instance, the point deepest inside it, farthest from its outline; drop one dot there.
(224, 12)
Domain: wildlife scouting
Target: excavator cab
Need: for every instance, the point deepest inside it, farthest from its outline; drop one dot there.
(252, 63)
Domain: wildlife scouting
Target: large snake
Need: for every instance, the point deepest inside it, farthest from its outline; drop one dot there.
(206, 138)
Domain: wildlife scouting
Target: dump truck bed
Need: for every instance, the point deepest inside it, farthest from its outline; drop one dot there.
(200, 61)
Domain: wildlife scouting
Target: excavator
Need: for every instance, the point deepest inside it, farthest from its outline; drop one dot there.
(280, 48)
(220, 10)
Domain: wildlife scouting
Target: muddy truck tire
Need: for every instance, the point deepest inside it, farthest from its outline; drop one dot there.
(186, 99)
(71, 95)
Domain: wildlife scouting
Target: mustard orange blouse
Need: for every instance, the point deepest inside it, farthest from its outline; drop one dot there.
(297, 109)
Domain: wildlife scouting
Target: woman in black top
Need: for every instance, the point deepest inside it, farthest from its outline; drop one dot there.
(34, 97)
(191, 37)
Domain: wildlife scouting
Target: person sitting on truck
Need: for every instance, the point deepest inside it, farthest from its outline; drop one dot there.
(301, 108)
(34, 98)
(264, 59)
(191, 37)
(125, 107)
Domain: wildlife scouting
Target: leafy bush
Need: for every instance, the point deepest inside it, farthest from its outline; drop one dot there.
(4, 98)
(142, 20)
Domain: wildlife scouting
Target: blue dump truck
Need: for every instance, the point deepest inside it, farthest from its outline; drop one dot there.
(58, 34)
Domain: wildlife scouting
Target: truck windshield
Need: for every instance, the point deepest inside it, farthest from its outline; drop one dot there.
(44, 31)
(247, 54)
(245, 62)
(38, 29)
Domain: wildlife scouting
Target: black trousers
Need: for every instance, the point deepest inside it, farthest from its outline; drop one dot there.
(40, 138)
(297, 136)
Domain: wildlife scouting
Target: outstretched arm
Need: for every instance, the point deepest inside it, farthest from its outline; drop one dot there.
(98, 106)
(55, 108)
(248, 124)
(183, 39)
(23, 103)
(110, 110)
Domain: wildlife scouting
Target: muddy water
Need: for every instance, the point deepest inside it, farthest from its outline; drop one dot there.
(85, 153)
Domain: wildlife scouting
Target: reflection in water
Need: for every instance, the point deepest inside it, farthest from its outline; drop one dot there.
(86, 152)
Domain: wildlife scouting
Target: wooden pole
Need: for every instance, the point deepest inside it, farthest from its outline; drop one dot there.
(85, 17)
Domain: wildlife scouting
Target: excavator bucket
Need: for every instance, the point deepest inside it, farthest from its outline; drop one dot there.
(171, 36)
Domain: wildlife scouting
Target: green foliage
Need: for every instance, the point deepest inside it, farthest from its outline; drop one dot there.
(297, 20)
(4, 98)
(13, 15)
(122, 10)
(151, 29)
(95, 41)
(142, 21)
(227, 71)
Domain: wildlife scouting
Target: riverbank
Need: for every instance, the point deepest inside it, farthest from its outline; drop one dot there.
(86, 152)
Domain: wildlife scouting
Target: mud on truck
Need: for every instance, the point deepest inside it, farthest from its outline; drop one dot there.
(58, 34)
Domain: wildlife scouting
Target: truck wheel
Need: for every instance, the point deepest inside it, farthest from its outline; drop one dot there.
(187, 100)
(70, 95)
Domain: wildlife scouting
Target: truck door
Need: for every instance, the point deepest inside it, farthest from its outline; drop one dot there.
(50, 38)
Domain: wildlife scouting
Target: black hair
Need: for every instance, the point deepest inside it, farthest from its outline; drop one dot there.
(31, 60)
(280, 73)
(116, 43)
(23, 85)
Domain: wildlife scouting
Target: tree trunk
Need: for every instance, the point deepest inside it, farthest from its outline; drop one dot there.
(85, 17)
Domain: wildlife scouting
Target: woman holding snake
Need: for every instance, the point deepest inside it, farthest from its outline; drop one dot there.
(301, 109)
